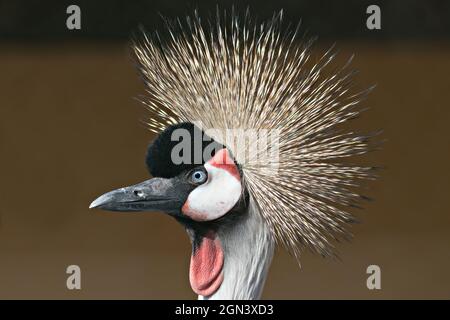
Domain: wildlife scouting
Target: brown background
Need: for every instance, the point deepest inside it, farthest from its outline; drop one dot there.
(70, 130)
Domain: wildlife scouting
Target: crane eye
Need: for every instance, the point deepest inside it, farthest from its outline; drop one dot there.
(198, 176)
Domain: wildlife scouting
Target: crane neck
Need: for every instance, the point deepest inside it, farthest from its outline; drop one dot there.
(248, 248)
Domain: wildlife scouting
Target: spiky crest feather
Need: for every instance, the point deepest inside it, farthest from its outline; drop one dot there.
(236, 73)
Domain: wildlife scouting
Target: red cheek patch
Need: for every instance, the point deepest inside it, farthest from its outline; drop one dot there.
(223, 160)
(205, 273)
(194, 215)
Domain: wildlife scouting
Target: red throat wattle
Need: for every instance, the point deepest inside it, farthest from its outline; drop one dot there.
(205, 272)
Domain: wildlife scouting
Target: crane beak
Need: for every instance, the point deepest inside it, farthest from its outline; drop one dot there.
(157, 194)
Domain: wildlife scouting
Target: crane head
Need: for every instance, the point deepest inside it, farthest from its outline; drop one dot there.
(199, 187)
(203, 192)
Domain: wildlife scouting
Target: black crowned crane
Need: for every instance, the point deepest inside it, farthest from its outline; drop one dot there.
(236, 75)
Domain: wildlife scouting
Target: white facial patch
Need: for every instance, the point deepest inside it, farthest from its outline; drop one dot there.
(218, 194)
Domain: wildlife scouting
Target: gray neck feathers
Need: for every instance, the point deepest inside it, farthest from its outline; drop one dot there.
(248, 249)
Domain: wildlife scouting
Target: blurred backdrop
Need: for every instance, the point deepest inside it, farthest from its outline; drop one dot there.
(70, 130)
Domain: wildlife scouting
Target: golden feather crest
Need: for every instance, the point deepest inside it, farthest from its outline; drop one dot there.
(237, 73)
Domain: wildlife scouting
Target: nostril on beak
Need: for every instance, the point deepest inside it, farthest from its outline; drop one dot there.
(138, 193)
